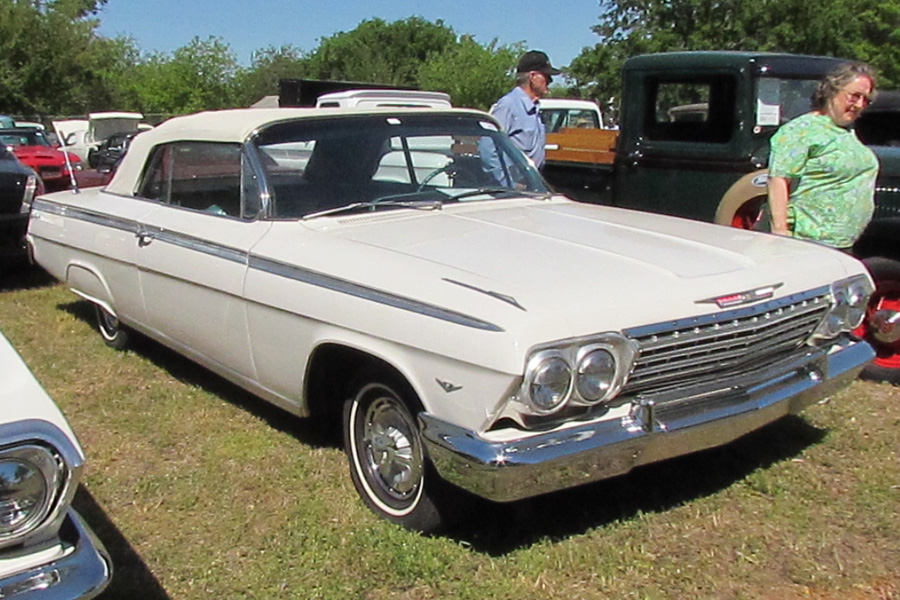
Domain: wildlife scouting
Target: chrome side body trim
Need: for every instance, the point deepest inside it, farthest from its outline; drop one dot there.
(688, 420)
(367, 293)
(88, 216)
(193, 243)
(147, 235)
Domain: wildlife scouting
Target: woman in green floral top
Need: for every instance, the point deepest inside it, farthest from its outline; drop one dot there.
(821, 177)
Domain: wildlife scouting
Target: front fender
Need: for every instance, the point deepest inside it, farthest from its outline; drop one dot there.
(751, 185)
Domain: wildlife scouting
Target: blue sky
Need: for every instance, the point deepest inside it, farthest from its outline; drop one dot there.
(560, 29)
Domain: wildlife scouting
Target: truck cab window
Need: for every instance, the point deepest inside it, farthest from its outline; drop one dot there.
(696, 110)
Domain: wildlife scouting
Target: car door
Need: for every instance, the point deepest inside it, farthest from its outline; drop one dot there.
(193, 248)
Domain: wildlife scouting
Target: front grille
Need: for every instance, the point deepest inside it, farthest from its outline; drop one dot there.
(713, 347)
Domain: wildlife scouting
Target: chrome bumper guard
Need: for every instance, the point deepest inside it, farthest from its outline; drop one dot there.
(82, 573)
(662, 426)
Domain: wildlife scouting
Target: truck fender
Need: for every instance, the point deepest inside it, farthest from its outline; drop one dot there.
(743, 200)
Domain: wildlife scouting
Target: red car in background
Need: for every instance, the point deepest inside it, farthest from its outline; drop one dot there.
(34, 150)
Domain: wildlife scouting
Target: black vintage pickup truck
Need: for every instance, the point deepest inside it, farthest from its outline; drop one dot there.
(694, 142)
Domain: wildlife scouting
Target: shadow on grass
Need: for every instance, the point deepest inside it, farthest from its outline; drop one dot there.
(23, 277)
(189, 372)
(131, 576)
(498, 529)
(502, 528)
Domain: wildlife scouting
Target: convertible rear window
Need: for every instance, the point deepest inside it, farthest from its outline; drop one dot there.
(319, 165)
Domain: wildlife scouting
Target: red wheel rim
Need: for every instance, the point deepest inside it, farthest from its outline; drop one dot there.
(748, 214)
(886, 297)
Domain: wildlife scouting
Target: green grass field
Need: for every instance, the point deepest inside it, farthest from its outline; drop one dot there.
(200, 490)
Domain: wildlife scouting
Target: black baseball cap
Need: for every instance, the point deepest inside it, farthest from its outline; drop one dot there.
(535, 60)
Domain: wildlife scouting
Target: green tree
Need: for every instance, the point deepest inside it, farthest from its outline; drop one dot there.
(49, 51)
(473, 75)
(198, 76)
(266, 68)
(380, 52)
(866, 30)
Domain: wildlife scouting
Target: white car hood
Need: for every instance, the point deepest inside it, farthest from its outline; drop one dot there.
(596, 268)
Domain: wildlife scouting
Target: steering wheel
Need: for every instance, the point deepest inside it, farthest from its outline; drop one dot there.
(448, 168)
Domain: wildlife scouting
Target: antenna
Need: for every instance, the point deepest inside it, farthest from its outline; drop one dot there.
(62, 144)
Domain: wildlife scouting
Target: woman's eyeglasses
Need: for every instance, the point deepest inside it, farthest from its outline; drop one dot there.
(857, 97)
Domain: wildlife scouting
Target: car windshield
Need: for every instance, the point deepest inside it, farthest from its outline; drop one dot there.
(780, 100)
(408, 160)
(23, 138)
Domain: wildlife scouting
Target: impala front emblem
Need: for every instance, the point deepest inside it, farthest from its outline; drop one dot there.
(739, 298)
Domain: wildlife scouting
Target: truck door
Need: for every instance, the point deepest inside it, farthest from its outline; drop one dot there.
(679, 151)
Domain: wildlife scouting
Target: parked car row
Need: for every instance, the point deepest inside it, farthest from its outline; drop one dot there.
(31, 146)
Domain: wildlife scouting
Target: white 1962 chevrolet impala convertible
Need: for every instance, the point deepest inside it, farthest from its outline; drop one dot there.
(409, 269)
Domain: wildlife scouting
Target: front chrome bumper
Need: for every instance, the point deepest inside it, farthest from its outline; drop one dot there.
(82, 572)
(683, 421)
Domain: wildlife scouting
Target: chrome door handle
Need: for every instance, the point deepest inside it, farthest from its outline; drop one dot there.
(144, 238)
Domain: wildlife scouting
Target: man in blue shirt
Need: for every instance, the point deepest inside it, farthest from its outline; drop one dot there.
(519, 110)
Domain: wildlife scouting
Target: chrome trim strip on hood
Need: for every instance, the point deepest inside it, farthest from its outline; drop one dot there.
(367, 293)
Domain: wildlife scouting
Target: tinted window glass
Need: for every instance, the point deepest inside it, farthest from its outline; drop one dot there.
(691, 110)
(203, 176)
(320, 165)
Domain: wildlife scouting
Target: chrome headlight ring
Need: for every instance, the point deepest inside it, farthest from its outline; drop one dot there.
(849, 299)
(584, 371)
(548, 381)
(30, 483)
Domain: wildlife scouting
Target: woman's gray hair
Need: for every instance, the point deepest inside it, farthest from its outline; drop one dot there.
(837, 79)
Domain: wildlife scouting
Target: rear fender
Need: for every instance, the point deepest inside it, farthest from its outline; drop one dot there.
(88, 283)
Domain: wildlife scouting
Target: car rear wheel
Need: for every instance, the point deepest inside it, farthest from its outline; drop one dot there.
(114, 334)
(387, 458)
(881, 327)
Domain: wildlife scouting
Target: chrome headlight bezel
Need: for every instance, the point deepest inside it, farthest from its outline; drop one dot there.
(68, 461)
(577, 381)
(548, 382)
(31, 480)
(849, 299)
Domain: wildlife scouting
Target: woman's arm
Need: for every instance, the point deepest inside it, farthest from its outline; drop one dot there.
(779, 195)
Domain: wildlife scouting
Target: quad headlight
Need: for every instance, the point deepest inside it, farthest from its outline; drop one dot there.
(582, 371)
(849, 298)
(30, 480)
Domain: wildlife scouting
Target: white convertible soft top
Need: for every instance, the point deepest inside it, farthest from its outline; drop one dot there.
(234, 125)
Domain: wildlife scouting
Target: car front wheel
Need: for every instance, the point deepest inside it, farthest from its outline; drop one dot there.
(387, 457)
